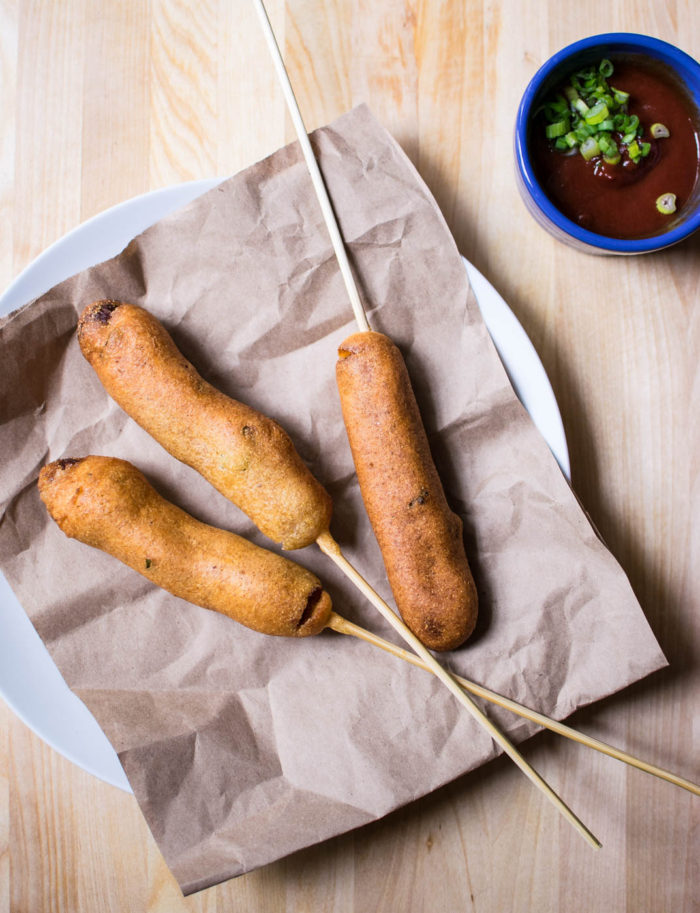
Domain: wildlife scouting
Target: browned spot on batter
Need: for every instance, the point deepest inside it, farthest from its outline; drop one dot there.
(420, 498)
(103, 313)
(433, 626)
(68, 461)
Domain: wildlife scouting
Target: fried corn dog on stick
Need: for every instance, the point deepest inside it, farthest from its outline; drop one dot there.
(243, 454)
(419, 537)
(108, 503)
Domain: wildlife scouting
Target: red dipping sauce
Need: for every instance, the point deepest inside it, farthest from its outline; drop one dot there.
(619, 201)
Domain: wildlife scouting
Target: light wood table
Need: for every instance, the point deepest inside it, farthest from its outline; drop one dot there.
(105, 99)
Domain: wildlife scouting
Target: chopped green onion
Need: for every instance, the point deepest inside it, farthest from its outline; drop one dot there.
(621, 98)
(658, 131)
(558, 129)
(666, 203)
(555, 109)
(607, 145)
(597, 113)
(590, 148)
(583, 131)
(590, 115)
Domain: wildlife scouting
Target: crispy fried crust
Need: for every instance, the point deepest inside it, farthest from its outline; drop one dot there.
(419, 536)
(248, 457)
(108, 503)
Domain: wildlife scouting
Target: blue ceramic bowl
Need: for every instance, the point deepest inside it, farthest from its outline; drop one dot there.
(558, 67)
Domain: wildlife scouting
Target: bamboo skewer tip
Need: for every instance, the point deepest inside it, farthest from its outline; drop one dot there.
(331, 548)
(342, 625)
(314, 170)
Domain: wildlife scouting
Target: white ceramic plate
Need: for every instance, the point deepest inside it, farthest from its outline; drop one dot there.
(29, 681)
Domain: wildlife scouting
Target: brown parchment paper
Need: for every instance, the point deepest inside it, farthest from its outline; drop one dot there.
(242, 748)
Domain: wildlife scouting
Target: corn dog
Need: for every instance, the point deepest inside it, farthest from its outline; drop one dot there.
(108, 503)
(243, 454)
(420, 538)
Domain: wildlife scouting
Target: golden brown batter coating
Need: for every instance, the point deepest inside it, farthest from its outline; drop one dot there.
(108, 504)
(419, 536)
(248, 457)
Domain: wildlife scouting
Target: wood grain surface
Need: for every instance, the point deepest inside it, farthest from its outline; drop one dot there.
(105, 99)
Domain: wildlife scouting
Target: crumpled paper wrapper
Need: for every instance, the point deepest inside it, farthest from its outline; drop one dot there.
(242, 748)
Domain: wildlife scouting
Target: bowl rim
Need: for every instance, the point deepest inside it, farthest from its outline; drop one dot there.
(632, 42)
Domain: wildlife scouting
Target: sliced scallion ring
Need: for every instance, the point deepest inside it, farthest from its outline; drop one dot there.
(607, 145)
(590, 148)
(659, 131)
(666, 203)
(597, 113)
(557, 129)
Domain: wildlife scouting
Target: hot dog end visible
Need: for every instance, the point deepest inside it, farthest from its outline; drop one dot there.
(419, 537)
(108, 504)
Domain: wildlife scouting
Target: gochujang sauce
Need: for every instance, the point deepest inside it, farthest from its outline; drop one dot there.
(619, 200)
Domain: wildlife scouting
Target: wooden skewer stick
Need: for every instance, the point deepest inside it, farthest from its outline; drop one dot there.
(314, 170)
(343, 626)
(330, 547)
(337, 622)
(326, 541)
